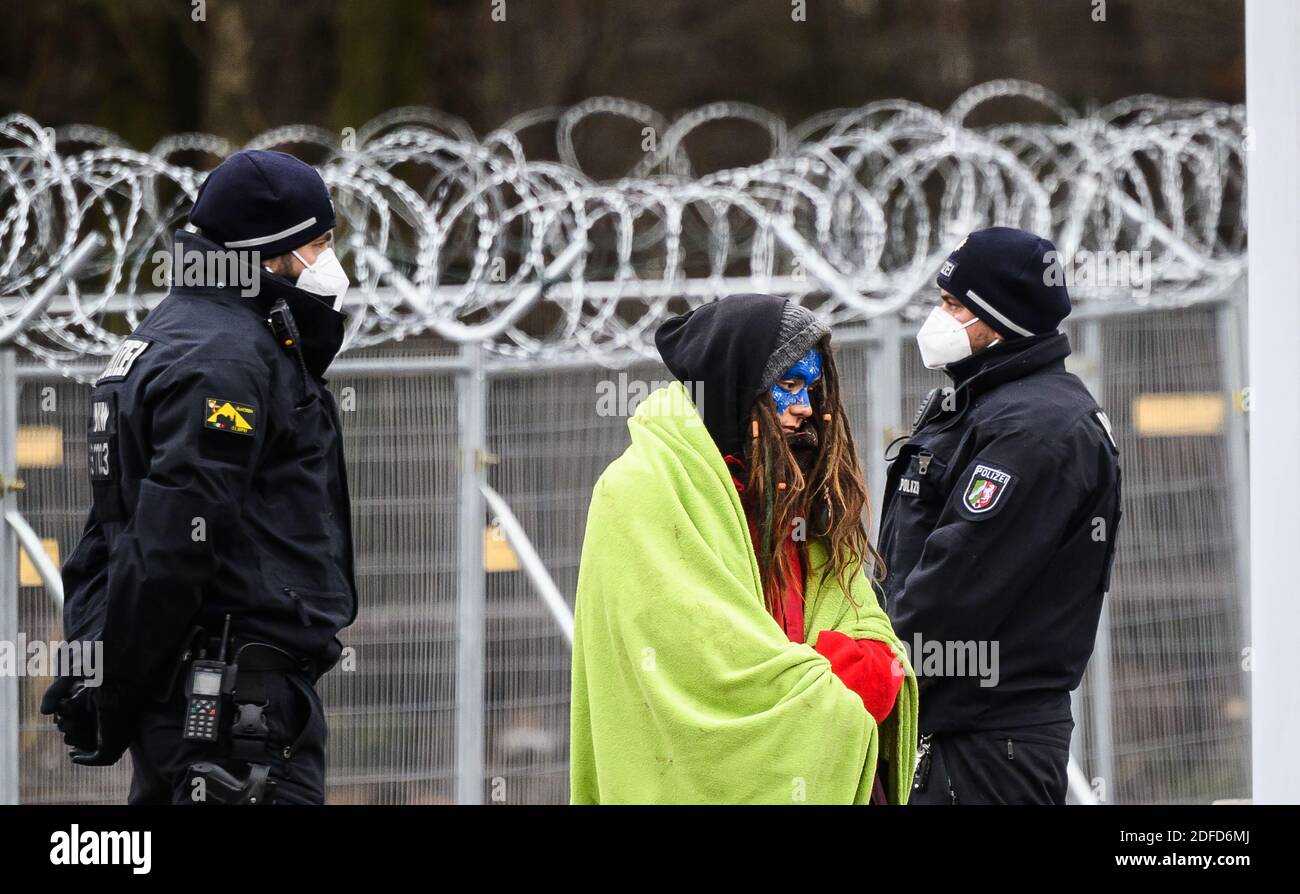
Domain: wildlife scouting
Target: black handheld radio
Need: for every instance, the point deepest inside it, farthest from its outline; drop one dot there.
(203, 691)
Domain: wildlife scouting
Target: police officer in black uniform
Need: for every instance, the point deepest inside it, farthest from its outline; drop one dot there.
(998, 529)
(220, 529)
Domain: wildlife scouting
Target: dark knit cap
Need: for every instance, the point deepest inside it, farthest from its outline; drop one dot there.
(265, 201)
(799, 331)
(1002, 275)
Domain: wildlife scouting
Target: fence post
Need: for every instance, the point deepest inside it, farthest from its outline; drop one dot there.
(1090, 364)
(884, 389)
(471, 398)
(1232, 360)
(9, 716)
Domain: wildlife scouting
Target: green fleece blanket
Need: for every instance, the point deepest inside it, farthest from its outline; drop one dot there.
(685, 690)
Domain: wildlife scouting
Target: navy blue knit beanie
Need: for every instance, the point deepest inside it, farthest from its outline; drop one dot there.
(1003, 276)
(265, 201)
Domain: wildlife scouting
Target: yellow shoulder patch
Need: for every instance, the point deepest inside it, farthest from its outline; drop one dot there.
(229, 415)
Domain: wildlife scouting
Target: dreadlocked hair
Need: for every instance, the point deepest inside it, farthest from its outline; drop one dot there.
(830, 502)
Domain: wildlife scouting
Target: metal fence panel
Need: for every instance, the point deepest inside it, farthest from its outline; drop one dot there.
(1177, 706)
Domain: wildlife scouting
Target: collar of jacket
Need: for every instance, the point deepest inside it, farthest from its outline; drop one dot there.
(320, 326)
(1007, 361)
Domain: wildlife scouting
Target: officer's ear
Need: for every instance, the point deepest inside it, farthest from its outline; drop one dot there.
(280, 265)
(982, 336)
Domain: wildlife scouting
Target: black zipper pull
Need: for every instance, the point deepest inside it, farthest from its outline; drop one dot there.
(922, 775)
(297, 602)
(1011, 752)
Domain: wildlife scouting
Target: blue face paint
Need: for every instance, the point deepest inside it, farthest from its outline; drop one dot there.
(809, 368)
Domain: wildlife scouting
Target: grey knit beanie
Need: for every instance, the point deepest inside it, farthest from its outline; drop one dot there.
(800, 330)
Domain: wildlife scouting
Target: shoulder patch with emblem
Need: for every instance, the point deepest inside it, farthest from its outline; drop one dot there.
(985, 488)
(127, 353)
(229, 415)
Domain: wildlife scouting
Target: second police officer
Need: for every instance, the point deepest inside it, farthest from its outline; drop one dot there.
(216, 561)
(998, 528)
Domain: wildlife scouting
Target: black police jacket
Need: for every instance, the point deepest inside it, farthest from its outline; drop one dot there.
(998, 530)
(216, 462)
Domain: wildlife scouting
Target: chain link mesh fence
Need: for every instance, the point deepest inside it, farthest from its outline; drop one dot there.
(1169, 721)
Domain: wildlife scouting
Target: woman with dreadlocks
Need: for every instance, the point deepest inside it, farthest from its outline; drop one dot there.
(729, 645)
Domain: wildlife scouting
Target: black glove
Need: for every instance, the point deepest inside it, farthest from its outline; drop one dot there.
(115, 731)
(69, 701)
(98, 722)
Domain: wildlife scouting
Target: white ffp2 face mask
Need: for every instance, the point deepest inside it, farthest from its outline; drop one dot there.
(943, 340)
(325, 277)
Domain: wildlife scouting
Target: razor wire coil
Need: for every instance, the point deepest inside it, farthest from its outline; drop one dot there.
(852, 211)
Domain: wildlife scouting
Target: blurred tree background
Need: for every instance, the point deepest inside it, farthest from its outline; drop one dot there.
(146, 68)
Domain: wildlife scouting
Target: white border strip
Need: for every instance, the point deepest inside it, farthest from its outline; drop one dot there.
(1273, 116)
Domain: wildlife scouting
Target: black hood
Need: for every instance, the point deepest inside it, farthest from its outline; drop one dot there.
(320, 326)
(718, 351)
